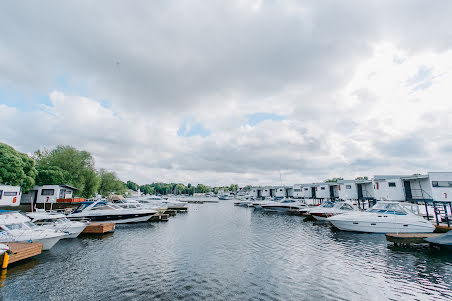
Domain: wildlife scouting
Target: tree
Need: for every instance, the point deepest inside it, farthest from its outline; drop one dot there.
(247, 188)
(133, 186)
(51, 175)
(234, 187)
(16, 168)
(109, 183)
(361, 178)
(200, 188)
(147, 189)
(333, 180)
(78, 167)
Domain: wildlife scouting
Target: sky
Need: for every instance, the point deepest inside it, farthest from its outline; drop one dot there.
(257, 92)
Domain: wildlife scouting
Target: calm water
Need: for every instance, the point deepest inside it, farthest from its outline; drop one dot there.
(222, 252)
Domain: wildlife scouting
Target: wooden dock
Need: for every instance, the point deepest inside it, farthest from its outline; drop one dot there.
(170, 212)
(442, 228)
(409, 238)
(22, 250)
(159, 217)
(99, 228)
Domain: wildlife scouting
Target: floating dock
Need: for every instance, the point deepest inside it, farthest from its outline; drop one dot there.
(442, 228)
(409, 238)
(99, 228)
(170, 212)
(21, 250)
(159, 217)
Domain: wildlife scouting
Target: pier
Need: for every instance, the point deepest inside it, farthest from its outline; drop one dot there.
(406, 239)
(20, 251)
(99, 228)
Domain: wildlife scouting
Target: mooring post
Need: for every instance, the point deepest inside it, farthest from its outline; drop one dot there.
(426, 210)
(447, 217)
(436, 213)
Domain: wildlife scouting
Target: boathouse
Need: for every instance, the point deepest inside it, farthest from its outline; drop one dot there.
(283, 191)
(10, 195)
(365, 190)
(48, 194)
(297, 191)
(347, 190)
(326, 191)
(388, 187)
(432, 186)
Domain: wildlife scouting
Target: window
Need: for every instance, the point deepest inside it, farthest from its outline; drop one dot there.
(1, 193)
(47, 191)
(322, 188)
(348, 186)
(297, 190)
(442, 183)
(280, 190)
(10, 193)
(391, 184)
(306, 189)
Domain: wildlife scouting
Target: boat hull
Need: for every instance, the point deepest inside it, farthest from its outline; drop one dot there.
(381, 227)
(119, 219)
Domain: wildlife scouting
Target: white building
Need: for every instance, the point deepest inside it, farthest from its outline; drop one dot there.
(326, 191)
(432, 186)
(9, 195)
(48, 194)
(388, 187)
(283, 191)
(347, 189)
(297, 191)
(365, 189)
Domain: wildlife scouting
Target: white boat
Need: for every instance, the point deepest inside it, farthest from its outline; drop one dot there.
(283, 205)
(16, 227)
(57, 221)
(103, 212)
(175, 204)
(383, 217)
(153, 204)
(3, 248)
(321, 213)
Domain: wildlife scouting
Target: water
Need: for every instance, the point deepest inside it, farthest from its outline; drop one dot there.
(222, 252)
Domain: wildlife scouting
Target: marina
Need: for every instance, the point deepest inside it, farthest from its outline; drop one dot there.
(234, 253)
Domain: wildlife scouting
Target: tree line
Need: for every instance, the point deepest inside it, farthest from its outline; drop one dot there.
(67, 165)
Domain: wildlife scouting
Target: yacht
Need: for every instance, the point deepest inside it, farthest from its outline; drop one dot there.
(103, 212)
(383, 217)
(57, 221)
(15, 227)
(283, 206)
(175, 204)
(225, 197)
(321, 213)
(153, 204)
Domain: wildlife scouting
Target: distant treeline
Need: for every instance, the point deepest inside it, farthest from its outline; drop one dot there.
(67, 165)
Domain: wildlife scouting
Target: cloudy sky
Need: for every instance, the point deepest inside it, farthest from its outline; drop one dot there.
(236, 91)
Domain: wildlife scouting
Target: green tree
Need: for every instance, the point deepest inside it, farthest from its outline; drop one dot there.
(247, 188)
(77, 165)
(361, 178)
(51, 175)
(109, 183)
(333, 180)
(200, 188)
(234, 187)
(133, 186)
(16, 168)
(147, 189)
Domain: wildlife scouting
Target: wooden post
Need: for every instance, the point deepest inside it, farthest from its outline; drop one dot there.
(436, 214)
(426, 210)
(447, 217)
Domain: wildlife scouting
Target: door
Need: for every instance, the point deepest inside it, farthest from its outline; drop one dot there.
(360, 191)
(408, 193)
(313, 192)
(332, 192)
(62, 194)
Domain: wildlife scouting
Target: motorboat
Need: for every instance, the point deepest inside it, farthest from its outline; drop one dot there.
(153, 204)
(16, 227)
(321, 213)
(225, 197)
(57, 221)
(443, 240)
(257, 204)
(104, 212)
(3, 248)
(175, 204)
(383, 217)
(283, 205)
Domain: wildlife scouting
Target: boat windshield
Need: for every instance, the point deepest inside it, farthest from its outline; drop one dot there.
(388, 208)
(31, 225)
(328, 205)
(16, 227)
(344, 206)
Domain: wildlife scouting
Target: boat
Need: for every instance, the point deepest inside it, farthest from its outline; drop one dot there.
(103, 212)
(57, 221)
(16, 227)
(225, 197)
(443, 240)
(153, 204)
(329, 209)
(383, 217)
(283, 205)
(175, 204)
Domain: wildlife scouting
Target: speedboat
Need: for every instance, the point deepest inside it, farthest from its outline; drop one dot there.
(225, 197)
(283, 206)
(175, 204)
(57, 221)
(383, 217)
(103, 212)
(16, 227)
(153, 204)
(321, 213)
